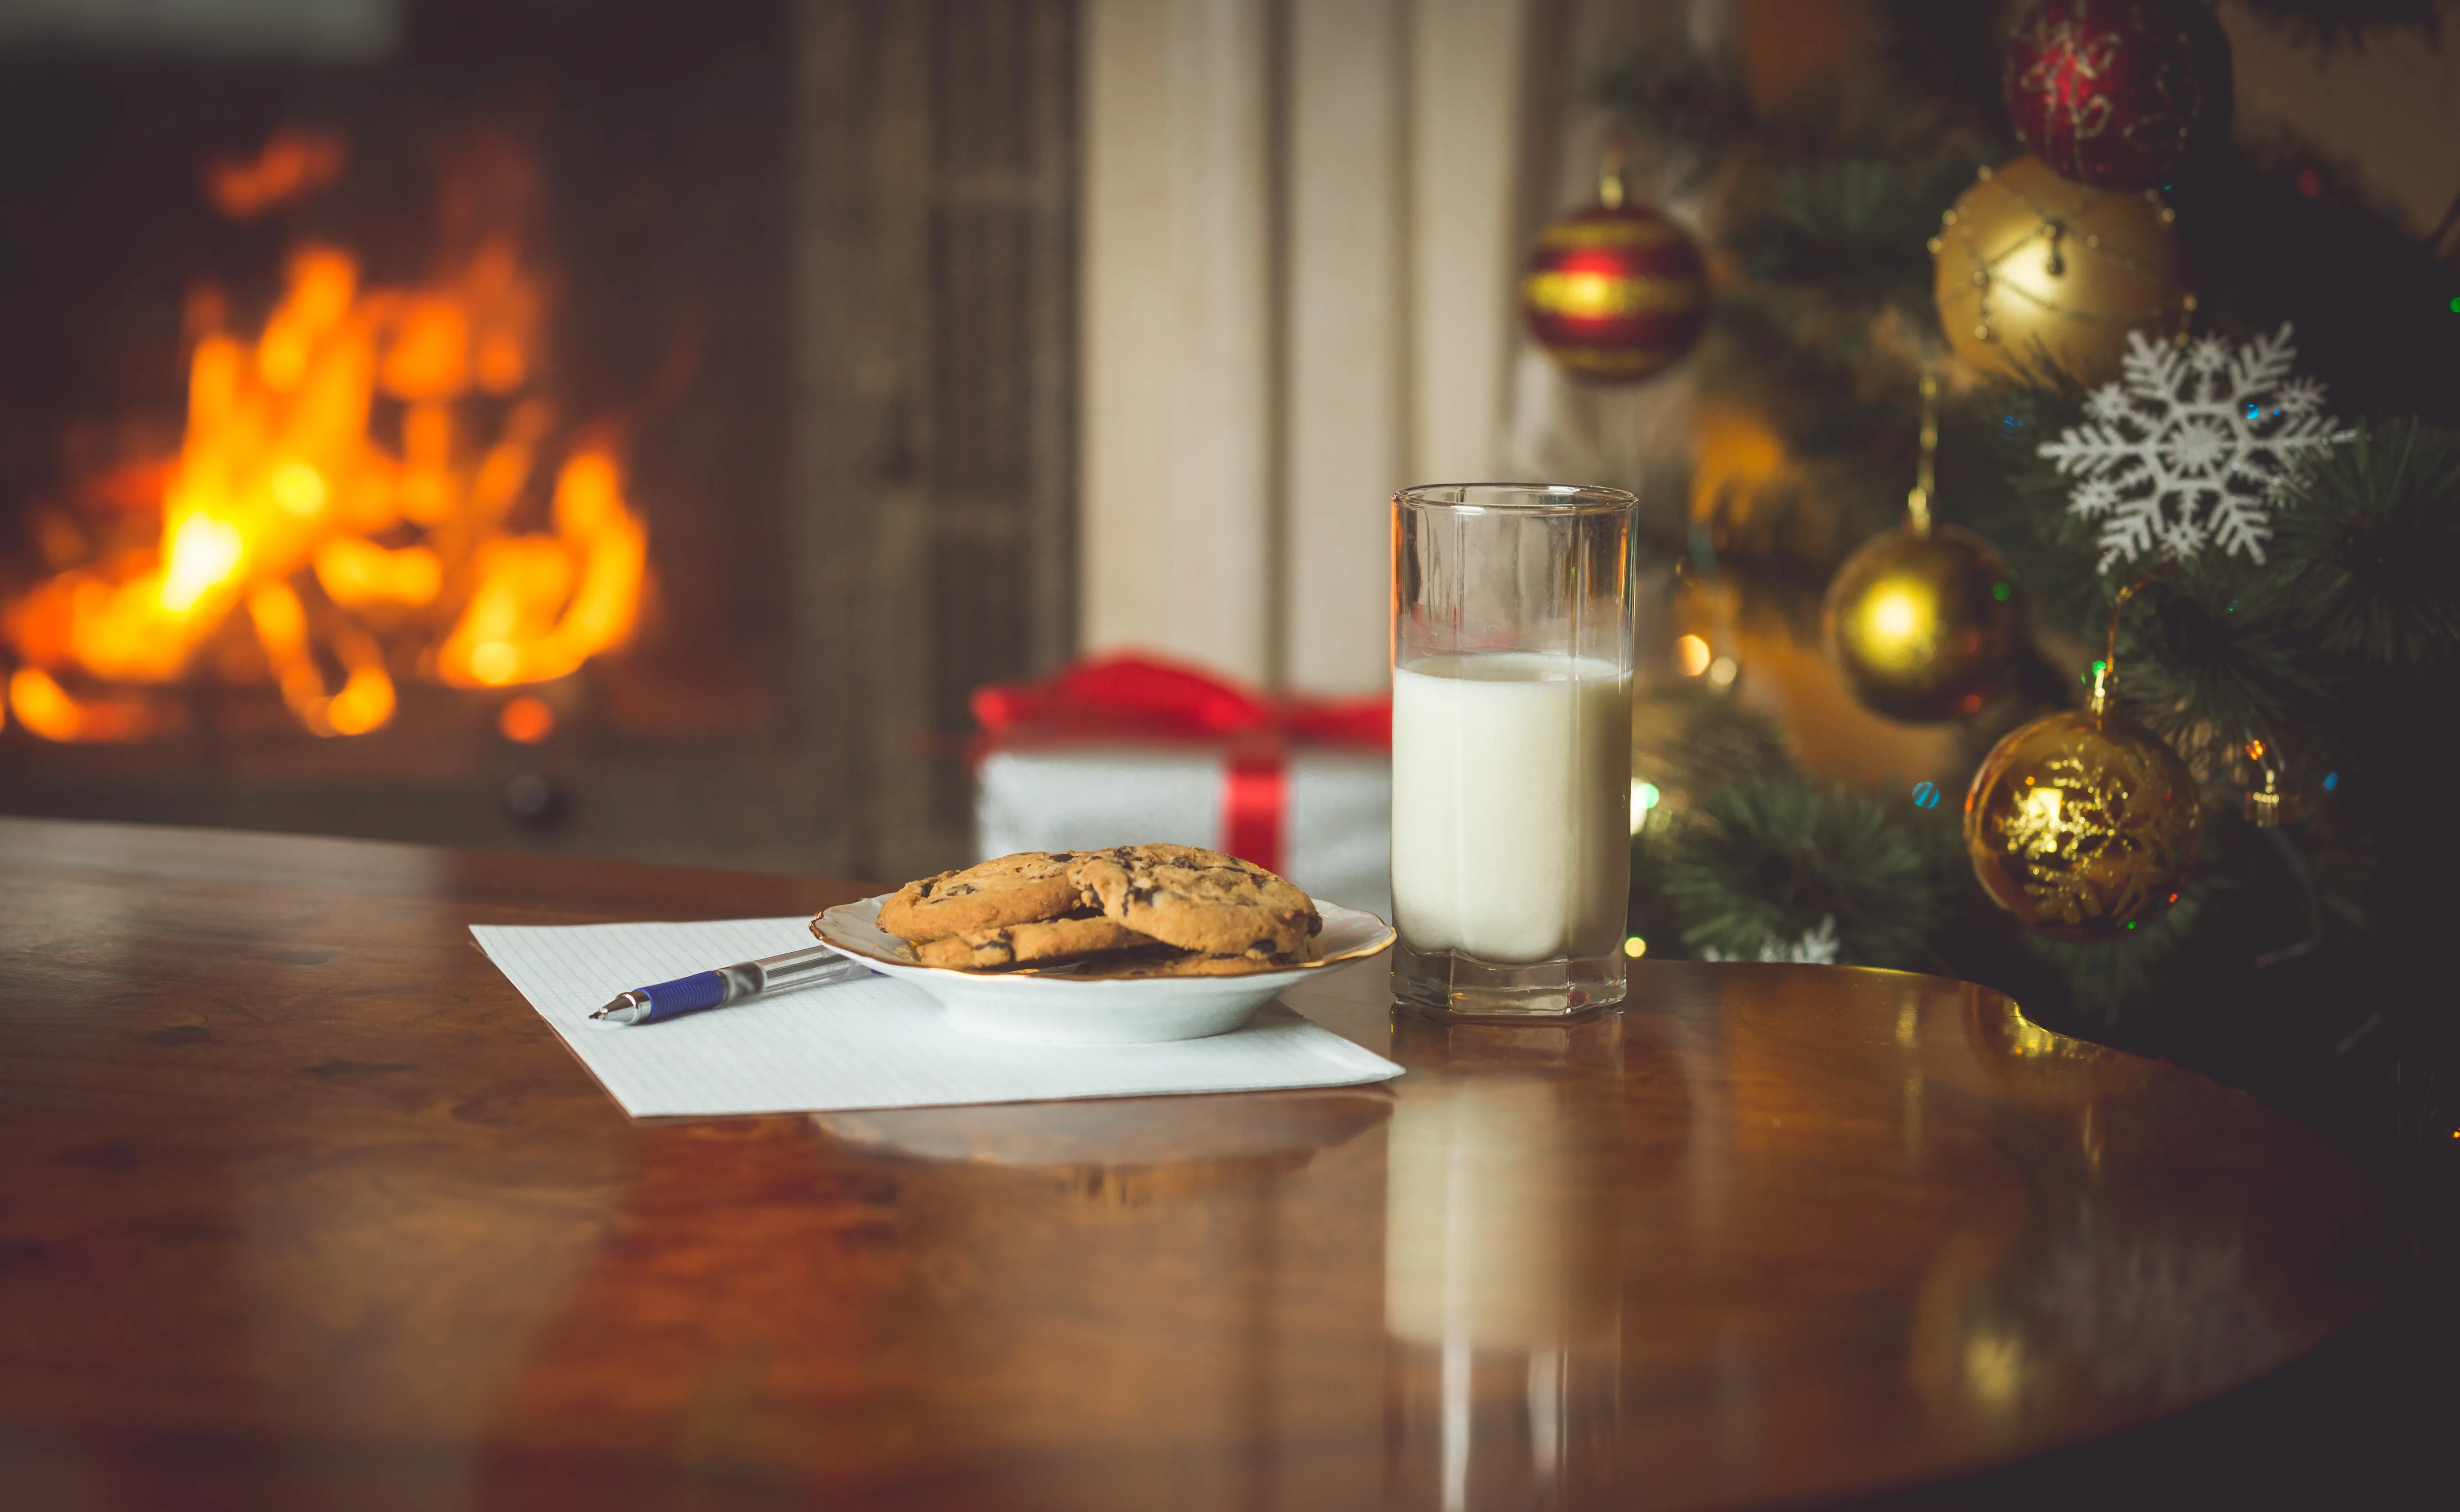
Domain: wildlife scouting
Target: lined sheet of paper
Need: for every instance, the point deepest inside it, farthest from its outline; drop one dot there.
(872, 1043)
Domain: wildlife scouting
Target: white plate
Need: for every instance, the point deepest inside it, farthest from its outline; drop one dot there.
(1058, 1009)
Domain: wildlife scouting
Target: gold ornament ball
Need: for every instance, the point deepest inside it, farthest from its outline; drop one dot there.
(2082, 826)
(2038, 277)
(1923, 626)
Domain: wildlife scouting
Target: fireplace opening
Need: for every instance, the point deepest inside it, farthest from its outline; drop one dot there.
(470, 422)
(371, 485)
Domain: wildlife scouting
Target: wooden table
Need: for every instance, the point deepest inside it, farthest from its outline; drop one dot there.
(306, 1207)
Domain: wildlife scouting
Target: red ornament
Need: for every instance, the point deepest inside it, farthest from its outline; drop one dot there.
(1615, 292)
(2111, 94)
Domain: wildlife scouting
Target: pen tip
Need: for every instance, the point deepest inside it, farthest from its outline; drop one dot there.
(608, 1009)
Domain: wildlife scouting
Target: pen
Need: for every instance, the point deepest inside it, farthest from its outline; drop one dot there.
(715, 989)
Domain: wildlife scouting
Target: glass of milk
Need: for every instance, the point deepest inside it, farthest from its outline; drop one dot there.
(1512, 620)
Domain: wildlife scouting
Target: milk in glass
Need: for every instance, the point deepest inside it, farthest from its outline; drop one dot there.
(1511, 800)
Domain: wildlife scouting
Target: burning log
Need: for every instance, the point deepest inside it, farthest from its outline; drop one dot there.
(288, 519)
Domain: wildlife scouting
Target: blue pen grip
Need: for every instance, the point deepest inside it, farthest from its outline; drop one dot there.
(684, 994)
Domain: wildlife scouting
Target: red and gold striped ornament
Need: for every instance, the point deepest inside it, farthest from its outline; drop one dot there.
(1615, 292)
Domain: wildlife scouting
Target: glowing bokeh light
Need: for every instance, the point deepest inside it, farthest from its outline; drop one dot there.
(527, 719)
(1644, 797)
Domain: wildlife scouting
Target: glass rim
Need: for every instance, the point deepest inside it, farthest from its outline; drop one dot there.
(1519, 498)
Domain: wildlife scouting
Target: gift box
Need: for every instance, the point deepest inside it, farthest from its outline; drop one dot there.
(1128, 749)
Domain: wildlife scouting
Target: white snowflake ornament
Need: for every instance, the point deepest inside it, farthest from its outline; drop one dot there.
(2190, 446)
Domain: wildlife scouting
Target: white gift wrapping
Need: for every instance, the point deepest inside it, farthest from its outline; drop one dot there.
(1336, 824)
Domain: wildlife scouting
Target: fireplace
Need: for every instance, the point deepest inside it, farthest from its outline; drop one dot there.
(603, 426)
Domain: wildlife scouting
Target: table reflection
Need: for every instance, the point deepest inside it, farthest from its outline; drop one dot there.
(1501, 1267)
(2106, 1279)
(1130, 1151)
(820, 1296)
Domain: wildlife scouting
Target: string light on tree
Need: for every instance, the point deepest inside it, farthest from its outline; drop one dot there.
(2270, 802)
(2038, 279)
(1616, 292)
(2083, 823)
(1922, 620)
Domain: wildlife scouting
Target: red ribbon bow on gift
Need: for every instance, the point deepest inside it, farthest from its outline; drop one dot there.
(1135, 696)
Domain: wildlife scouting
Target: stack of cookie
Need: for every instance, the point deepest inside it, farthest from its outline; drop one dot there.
(1130, 911)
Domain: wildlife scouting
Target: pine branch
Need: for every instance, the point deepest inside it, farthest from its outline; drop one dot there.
(1993, 480)
(1680, 96)
(2104, 980)
(2370, 541)
(2210, 659)
(1843, 235)
(2278, 234)
(1770, 858)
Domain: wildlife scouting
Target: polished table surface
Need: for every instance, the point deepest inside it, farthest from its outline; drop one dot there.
(305, 1206)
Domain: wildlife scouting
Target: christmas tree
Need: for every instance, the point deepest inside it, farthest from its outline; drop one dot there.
(2180, 569)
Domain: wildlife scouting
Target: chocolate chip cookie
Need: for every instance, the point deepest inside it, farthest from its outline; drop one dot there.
(1027, 944)
(1202, 900)
(1167, 962)
(1026, 887)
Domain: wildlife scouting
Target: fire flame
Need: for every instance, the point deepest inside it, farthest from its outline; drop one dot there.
(289, 524)
(292, 163)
